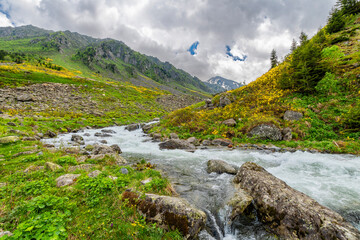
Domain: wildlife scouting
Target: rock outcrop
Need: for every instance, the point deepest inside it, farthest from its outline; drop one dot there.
(220, 166)
(177, 144)
(169, 212)
(266, 131)
(66, 179)
(292, 116)
(288, 212)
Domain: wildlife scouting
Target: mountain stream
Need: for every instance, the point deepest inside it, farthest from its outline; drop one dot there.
(332, 180)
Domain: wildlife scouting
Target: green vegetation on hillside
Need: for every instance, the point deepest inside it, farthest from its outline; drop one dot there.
(320, 79)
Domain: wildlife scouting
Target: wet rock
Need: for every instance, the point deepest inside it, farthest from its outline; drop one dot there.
(116, 148)
(220, 166)
(50, 134)
(94, 174)
(177, 144)
(266, 131)
(229, 122)
(288, 212)
(67, 179)
(174, 136)
(239, 203)
(169, 212)
(78, 139)
(100, 134)
(85, 167)
(103, 142)
(133, 127)
(89, 148)
(221, 142)
(108, 131)
(33, 168)
(9, 139)
(52, 166)
(292, 116)
(87, 134)
(287, 134)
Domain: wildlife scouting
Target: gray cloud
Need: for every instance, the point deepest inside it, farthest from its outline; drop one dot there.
(166, 29)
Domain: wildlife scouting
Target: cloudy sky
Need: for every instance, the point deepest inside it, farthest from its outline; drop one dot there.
(230, 38)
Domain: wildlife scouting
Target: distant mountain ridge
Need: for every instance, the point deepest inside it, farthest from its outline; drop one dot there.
(219, 84)
(108, 57)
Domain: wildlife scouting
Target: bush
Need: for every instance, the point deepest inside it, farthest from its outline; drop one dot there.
(352, 117)
(66, 160)
(328, 84)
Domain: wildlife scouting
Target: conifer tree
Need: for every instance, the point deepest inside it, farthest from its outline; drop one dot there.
(273, 59)
(303, 38)
(293, 45)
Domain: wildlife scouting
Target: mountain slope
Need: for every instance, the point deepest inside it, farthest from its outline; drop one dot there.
(219, 84)
(319, 83)
(107, 57)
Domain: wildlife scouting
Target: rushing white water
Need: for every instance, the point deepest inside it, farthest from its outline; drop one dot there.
(332, 180)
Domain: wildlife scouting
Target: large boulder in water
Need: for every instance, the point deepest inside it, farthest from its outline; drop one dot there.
(177, 144)
(288, 212)
(169, 212)
(266, 131)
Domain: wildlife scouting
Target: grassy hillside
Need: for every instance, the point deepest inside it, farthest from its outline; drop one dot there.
(320, 79)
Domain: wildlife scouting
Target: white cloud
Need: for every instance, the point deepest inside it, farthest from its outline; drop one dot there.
(166, 29)
(4, 21)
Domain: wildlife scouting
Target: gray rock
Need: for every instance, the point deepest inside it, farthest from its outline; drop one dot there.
(156, 137)
(85, 167)
(174, 136)
(177, 144)
(293, 116)
(5, 233)
(124, 171)
(170, 212)
(103, 149)
(87, 134)
(116, 148)
(193, 140)
(99, 134)
(103, 142)
(146, 128)
(50, 134)
(287, 134)
(78, 139)
(108, 131)
(25, 98)
(220, 166)
(9, 139)
(206, 143)
(229, 122)
(133, 127)
(288, 212)
(239, 203)
(11, 124)
(148, 180)
(67, 179)
(94, 174)
(52, 166)
(224, 101)
(221, 142)
(266, 131)
(33, 168)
